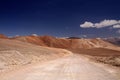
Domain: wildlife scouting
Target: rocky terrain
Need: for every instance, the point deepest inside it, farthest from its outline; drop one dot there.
(14, 52)
(99, 49)
(72, 67)
(24, 50)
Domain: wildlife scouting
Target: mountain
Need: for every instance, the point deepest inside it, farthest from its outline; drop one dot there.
(113, 40)
(96, 46)
(15, 52)
(66, 43)
(22, 50)
(3, 36)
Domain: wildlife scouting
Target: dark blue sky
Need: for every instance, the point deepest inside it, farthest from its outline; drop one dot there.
(57, 17)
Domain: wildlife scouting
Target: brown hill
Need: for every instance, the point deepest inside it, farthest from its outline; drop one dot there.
(14, 52)
(27, 49)
(3, 36)
(113, 40)
(102, 52)
(97, 47)
(65, 43)
(48, 41)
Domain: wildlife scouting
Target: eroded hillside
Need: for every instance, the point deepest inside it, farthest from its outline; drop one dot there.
(14, 52)
(50, 41)
(98, 49)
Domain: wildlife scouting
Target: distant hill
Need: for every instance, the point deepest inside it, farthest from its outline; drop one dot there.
(3, 36)
(73, 38)
(112, 40)
(66, 43)
(15, 52)
(22, 50)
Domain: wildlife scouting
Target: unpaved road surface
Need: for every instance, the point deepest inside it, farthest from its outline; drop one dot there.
(68, 68)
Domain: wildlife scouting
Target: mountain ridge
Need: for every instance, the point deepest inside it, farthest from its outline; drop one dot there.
(50, 41)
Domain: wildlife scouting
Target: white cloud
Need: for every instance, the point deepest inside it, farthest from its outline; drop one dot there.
(116, 26)
(34, 35)
(87, 25)
(104, 23)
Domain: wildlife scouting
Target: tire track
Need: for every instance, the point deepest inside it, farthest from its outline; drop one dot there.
(68, 68)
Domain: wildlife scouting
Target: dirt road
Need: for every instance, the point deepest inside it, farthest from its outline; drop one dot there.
(68, 68)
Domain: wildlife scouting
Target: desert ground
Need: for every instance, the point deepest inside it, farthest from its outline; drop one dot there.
(72, 67)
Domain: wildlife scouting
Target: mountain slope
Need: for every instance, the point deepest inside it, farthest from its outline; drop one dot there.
(93, 47)
(112, 40)
(3, 36)
(14, 52)
(64, 43)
